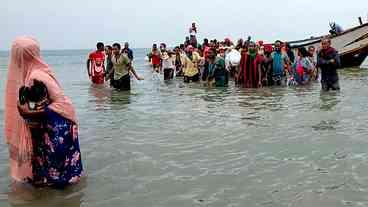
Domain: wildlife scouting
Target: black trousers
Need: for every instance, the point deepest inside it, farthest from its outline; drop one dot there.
(194, 78)
(330, 85)
(123, 83)
(168, 73)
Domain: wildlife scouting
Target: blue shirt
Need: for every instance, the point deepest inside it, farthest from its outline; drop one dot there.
(129, 52)
(279, 59)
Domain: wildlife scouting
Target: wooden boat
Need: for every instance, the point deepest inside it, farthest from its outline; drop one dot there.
(352, 44)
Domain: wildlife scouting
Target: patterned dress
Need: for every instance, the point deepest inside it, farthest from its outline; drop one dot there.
(56, 153)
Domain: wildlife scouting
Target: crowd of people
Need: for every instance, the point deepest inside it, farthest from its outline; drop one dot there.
(112, 63)
(250, 64)
(41, 127)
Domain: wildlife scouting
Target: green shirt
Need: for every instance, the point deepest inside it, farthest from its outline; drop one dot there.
(121, 65)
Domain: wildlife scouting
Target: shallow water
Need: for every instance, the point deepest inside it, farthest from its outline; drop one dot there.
(171, 144)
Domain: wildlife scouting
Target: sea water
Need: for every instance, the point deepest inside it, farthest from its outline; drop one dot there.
(174, 144)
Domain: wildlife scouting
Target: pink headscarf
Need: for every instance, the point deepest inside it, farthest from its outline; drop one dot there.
(25, 66)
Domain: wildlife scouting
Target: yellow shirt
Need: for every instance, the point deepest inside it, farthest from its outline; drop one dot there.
(191, 66)
(121, 65)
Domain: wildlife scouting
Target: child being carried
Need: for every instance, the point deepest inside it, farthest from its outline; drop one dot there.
(35, 98)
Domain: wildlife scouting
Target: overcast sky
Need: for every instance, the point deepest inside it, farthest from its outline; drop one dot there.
(79, 24)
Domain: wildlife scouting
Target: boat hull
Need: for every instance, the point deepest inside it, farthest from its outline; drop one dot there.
(352, 45)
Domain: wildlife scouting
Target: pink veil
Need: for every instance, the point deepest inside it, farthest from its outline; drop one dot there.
(25, 66)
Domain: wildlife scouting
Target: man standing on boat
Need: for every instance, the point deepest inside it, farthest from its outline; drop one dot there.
(335, 29)
(329, 61)
(193, 35)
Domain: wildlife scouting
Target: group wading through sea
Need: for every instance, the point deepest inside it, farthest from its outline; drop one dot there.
(249, 64)
(41, 127)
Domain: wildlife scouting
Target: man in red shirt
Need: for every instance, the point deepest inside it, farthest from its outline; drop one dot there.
(96, 65)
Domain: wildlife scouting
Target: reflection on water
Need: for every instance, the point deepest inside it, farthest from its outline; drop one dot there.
(103, 96)
(99, 95)
(22, 195)
(326, 125)
(329, 100)
(120, 98)
(166, 143)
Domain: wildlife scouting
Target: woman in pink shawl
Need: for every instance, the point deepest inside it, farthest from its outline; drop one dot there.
(43, 140)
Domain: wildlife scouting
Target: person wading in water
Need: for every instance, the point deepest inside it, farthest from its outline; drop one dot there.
(280, 64)
(215, 72)
(122, 69)
(250, 74)
(329, 61)
(191, 60)
(96, 65)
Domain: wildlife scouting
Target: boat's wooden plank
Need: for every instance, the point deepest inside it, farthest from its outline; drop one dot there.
(313, 39)
(353, 47)
(344, 43)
